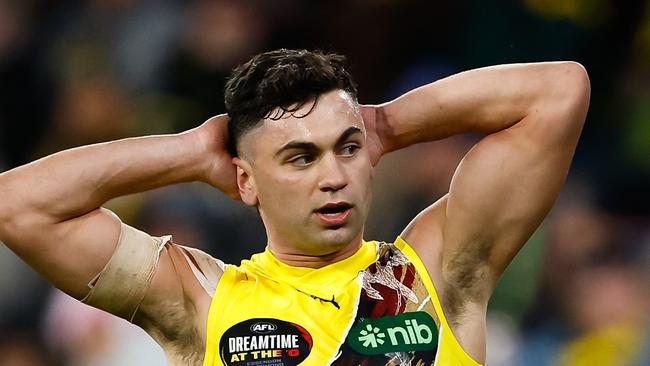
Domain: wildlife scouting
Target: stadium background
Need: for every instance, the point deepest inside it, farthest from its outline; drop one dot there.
(78, 72)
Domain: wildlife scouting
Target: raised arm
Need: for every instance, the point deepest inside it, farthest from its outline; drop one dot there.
(532, 115)
(50, 210)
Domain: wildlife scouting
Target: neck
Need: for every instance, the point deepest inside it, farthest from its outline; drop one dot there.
(295, 258)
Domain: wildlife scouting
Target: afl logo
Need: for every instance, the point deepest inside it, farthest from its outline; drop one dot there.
(265, 342)
(263, 327)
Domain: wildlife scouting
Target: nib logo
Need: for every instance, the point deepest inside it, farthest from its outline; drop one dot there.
(414, 331)
(371, 336)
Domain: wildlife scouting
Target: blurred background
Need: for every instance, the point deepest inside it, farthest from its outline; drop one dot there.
(85, 71)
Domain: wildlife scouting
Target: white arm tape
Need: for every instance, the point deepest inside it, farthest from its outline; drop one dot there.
(120, 287)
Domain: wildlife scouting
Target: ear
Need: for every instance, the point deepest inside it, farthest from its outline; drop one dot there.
(245, 182)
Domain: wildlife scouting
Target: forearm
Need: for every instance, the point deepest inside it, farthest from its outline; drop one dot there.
(484, 100)
(76, 181)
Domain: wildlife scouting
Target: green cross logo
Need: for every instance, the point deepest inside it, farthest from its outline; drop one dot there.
(415, 331)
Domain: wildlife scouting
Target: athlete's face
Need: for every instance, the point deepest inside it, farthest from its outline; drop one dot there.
(310, 176)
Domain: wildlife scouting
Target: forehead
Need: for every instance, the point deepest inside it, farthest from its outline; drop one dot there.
(333, 113)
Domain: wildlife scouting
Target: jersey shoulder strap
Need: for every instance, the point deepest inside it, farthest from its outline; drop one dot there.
(206, 269)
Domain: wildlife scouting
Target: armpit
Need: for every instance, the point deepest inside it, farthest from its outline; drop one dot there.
(120, 287)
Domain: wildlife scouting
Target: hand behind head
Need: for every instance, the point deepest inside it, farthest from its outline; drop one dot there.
(219, 170)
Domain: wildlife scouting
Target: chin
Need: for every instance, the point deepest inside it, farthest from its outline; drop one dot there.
(333, 240)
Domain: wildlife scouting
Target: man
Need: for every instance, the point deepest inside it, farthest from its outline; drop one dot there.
(298, 146)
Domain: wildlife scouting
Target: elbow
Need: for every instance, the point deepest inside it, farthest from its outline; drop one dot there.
(8, 222)
(564, 94)
(580, 84)
(573, 91)
(5, 206)
(15, 220)
(17, 226)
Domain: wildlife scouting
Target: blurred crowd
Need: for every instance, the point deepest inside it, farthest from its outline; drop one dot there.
(75, 72)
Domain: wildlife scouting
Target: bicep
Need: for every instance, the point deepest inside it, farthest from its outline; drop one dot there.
(69, 253)
(501, 191)
(499, 194)
(96, 254)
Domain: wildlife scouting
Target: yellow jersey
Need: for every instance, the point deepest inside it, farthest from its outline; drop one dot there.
(376, 307)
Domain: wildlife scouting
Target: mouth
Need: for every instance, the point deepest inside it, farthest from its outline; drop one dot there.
(334, 214)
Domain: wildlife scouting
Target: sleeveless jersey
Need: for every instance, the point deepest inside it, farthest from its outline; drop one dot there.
(377, 307)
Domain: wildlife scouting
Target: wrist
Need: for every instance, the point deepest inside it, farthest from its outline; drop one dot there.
(202, 148)
(213, 162)
(385, 131)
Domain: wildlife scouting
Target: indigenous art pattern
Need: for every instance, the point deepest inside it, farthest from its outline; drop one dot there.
(394, 324)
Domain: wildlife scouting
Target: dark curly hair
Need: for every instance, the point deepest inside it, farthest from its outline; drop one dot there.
(274, 83)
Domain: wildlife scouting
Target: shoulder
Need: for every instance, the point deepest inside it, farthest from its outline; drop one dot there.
(454, 273)
(424, 234)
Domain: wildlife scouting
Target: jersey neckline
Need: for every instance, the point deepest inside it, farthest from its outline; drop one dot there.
(315, 281)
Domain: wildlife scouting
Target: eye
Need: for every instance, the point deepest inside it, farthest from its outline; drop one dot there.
(301, 160)
(350, 149)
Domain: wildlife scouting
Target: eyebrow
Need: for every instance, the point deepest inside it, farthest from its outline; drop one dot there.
(347, 133)
(310, 146)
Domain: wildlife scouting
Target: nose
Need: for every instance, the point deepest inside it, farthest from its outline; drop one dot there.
(333, 177)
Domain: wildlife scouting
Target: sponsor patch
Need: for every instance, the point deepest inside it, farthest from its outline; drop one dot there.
(413, 331)
(265, 342)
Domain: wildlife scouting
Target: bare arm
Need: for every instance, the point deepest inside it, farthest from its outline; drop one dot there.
(532, 115)
(51, 215)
